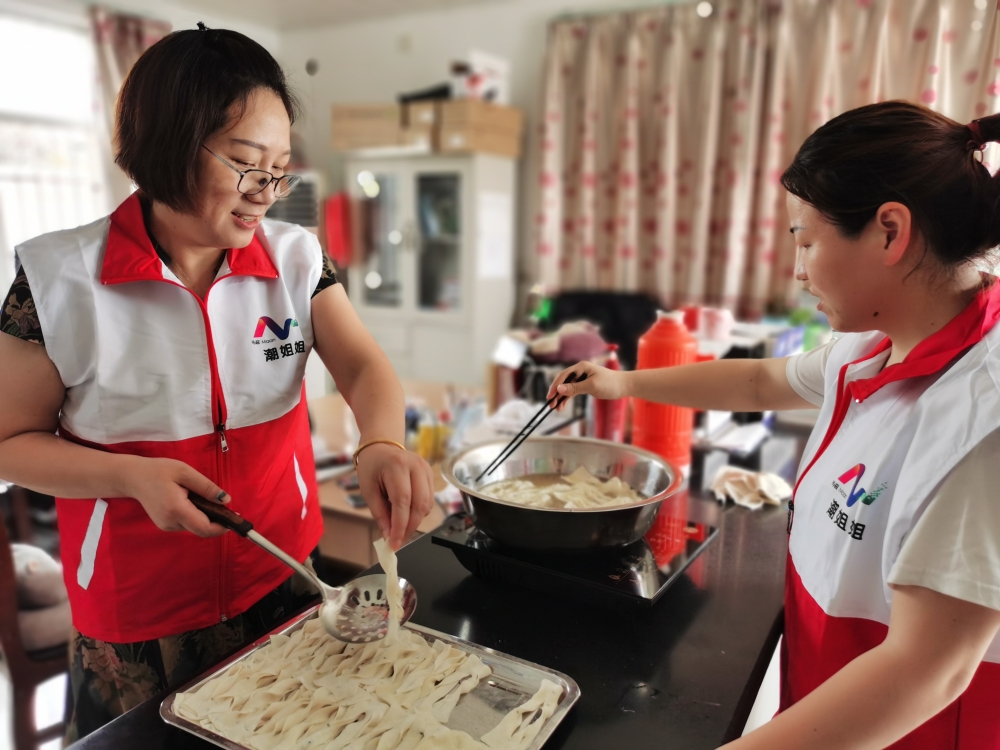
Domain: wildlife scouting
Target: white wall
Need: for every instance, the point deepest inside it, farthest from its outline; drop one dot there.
(182, 18)
(74, 13)
(372, 61)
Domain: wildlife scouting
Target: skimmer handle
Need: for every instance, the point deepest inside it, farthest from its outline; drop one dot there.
(221, 515)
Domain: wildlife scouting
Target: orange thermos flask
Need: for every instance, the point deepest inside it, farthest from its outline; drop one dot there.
(665, 429)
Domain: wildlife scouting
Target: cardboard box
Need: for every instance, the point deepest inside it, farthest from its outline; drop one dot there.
(425, 139)
(355, 126)
(470, 125)
(421, 115)
(421, 124)
(367, 114)
(459, 140)
(473, 114)
(458, 126)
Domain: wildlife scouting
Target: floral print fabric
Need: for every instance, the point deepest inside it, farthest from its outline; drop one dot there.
(18, 316)
(328, 277)
(664, 134)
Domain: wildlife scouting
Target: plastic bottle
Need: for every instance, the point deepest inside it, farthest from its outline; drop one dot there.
(442, 435)
(609, 415)
(661, 428)
(426, 434)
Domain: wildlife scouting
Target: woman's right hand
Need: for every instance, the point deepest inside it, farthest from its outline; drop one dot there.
(161, 486)
(600, 383)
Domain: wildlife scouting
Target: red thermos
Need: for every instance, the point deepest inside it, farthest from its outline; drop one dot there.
(661, 428)
(609, 414)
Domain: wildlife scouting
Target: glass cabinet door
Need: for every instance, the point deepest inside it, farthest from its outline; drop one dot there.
(439, 271)
(381, 239)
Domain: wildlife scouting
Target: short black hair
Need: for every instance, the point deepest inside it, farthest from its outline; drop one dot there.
(179, 92)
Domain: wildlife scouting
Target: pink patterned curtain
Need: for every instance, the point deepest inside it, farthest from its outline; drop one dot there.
(664, 133)
(119, 41)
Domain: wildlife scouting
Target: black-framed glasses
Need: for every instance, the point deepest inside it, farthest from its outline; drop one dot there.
(254, 181)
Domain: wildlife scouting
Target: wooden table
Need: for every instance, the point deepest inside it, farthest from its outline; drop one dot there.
(348, 532)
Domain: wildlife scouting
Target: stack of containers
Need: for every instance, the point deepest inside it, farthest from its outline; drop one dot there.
(665, 429)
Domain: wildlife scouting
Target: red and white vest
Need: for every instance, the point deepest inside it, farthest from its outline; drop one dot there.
(884, 440)
(152, 370)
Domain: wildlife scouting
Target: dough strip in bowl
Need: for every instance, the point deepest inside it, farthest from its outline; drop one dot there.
(581, 489)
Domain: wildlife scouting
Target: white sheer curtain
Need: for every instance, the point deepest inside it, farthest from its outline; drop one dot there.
(51, 172)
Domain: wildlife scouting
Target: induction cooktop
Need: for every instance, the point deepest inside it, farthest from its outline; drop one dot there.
(638, 573)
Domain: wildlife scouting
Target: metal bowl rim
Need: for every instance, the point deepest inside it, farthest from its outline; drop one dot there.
(677, 478)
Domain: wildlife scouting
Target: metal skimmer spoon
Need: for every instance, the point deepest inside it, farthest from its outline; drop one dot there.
(356, 613)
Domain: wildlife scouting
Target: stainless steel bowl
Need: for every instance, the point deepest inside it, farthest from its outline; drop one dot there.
(563, 529)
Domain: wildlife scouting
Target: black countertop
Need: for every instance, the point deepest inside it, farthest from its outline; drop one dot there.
(683, 674)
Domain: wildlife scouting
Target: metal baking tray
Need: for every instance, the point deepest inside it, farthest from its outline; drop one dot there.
(512, 683)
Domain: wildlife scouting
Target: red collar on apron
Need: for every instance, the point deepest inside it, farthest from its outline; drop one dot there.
(928, 357)
(939, 349)
(129, 253)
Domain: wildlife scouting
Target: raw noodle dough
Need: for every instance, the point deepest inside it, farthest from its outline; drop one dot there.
(581, 489)
(393, 594)
(308, 690)
(520, 726)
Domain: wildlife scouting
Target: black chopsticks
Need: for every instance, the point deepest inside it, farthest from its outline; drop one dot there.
(552, 404)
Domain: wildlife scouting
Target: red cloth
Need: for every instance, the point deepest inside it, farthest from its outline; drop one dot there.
(338, 229)
(816, 646)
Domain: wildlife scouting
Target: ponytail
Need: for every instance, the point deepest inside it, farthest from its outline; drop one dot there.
(985, 130)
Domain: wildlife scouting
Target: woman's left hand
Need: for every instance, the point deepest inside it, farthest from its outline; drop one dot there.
(399, 489)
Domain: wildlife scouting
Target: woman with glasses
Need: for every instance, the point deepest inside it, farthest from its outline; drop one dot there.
(161, 351)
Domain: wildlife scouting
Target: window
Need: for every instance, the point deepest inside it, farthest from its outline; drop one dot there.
(52, 171)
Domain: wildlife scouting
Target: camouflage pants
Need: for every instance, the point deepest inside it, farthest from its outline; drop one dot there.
(108, 679)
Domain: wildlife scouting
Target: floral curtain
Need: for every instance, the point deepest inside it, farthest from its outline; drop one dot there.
(119, 41)
(664, 133)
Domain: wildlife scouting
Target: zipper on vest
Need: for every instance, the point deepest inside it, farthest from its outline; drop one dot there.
(222, 479)
(220, 473)
(221, 427)
(791, 515)
(221, 417)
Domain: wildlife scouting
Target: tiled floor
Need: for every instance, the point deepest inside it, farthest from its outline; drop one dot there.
(48, 708)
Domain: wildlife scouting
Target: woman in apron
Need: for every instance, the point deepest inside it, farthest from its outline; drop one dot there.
(892, 593)
(161, 351)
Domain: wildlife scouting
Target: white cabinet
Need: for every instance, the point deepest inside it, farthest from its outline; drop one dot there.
(433, 276)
